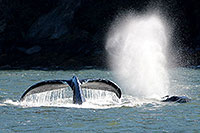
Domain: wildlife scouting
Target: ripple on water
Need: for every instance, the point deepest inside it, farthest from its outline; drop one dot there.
(130, 114)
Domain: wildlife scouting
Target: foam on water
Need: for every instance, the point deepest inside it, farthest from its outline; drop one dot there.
(136, 45)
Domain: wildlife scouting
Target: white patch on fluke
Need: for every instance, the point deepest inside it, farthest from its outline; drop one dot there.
(136, 46)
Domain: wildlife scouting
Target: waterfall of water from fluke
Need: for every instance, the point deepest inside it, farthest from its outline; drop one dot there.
(65, 96)
(51, 97)
(137, 47)
(100, 96)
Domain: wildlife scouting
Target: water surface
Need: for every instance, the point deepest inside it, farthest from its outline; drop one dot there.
(130, 114)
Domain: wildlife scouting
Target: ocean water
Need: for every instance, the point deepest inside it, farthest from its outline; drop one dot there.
(107, 114)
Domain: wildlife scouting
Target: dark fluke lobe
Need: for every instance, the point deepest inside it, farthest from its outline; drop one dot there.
(76, 85)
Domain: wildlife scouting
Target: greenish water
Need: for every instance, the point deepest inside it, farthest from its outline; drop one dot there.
(130, 114)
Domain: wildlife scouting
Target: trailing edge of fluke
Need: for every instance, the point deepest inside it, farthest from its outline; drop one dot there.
(76, 85)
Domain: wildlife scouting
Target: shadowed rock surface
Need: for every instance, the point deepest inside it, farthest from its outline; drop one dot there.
(70, 34)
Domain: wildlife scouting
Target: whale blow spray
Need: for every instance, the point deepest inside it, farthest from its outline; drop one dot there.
(137, 47)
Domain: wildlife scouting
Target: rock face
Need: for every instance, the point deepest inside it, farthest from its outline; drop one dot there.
(70, 33)
(41, 34)
(56, 23)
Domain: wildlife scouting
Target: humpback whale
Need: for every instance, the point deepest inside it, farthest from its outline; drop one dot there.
(178, 99)
(76, 85)
(96, 84)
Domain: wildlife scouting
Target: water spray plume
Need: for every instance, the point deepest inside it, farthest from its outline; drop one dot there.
(136, 46)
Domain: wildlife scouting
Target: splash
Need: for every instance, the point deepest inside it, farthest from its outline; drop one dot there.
(136, 46)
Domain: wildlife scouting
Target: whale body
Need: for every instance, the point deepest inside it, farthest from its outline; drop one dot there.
(76, 85)
(178, 99)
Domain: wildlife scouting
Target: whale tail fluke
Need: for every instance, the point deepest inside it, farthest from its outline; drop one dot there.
(45, 86)
(75, 84)
(101, 84)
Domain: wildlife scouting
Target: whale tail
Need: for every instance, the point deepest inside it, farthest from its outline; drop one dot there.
(77, 91)
(75, 84)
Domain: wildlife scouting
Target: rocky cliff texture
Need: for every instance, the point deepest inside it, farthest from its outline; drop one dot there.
(69, 34)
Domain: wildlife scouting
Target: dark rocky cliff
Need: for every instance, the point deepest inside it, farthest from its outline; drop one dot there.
(68, 34)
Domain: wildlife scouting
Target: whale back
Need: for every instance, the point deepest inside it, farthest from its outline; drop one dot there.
(178, 99)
